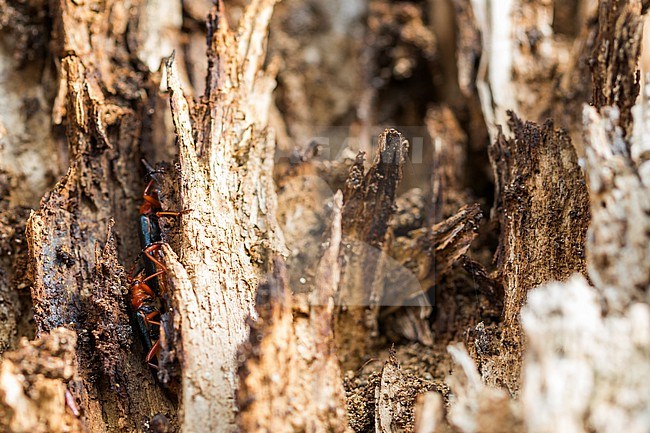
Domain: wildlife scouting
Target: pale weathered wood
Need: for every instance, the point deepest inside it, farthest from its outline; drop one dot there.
(520, 55)
(226, 162)
(600, 330)
(291, 380)
(587, 367)
(475, 407)
(409, 265)
(586, 358)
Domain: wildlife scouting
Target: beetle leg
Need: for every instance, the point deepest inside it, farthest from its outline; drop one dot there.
(149, 318)
(150, 249)
(153, 276)
(153, 352)
(169, 213)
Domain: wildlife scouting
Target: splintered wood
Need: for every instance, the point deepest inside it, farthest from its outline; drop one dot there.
(72, 285)
(585, 360)
(291, 379)
(483, 270)
(542, 208)
(226, 160)
(428, 253)
(368, 204)
(587, 366)
(589, 341)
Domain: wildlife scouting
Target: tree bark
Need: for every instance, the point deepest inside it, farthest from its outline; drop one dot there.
(226, 159)
(414, 216)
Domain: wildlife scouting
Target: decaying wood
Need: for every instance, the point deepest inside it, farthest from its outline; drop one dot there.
(585, 323)
(573, 82)
(522, 57)
(577, 363)
(503, 48)
(476, 407)
(226, 162)
(469, 50)
(368, 204)
(295, 309)
(410, 211)
(428, 253)
(542, 208)
(26, 170)
(468, 46)
(15, 307)
(383, 393)
(616, 153)
(108, 368)
(394, 398)
(618, 192)
(429, 413)
(615, 56)
(579, 369)
(33, 385)
(291, 379)
(103, 117)
(449, 163)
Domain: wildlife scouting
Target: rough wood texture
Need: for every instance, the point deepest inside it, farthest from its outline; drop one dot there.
(586, 357)
(395, 398)
(574, 85)
(586, 365)
(615, 56)
(517, 61)
(542, 208)
(475, 407)
(291, 380)
(618, 191)
(368, 204)
(27, 171)
(33, 382)
(616, 156)
(226, 162)
(407, 268)
(15, 304)
(430, 252)
(114, 386)
(601, 331)
(103, 117)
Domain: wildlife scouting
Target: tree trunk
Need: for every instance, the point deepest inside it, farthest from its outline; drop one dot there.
(362, 197)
